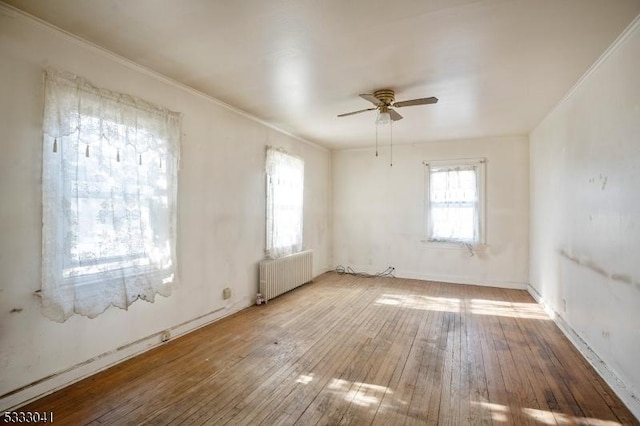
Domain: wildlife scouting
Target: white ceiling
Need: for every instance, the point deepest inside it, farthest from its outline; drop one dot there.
(497, 66)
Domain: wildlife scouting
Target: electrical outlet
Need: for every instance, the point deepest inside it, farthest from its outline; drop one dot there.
(564, 305)
(165, 335)
(226, 293)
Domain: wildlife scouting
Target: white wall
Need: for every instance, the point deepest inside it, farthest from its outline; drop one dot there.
(585, 213)
(378, 213)
(220, 219)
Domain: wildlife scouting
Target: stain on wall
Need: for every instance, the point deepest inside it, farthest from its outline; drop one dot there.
(593, 266)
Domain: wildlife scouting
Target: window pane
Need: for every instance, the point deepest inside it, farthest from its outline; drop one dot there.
(285, 193)
(110, 221)
(453, 223)
(453, 204)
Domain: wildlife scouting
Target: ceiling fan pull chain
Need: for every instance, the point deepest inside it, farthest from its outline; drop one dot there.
(376, 139)
(391, 143)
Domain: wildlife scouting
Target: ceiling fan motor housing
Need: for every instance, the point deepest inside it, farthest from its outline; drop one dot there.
(386, 96)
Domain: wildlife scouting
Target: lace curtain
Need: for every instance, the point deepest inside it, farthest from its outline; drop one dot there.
(109, 198)
(454, 204)
(285, 190)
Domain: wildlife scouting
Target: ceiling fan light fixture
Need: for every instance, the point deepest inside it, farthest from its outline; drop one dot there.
(383, 118)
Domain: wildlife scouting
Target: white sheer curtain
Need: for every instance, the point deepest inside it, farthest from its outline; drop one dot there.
(454, 204)
(285, 190)
(109, 198)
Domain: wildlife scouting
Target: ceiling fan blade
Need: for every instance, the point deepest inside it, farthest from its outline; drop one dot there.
(394, 115)
(369, 97)
(356, 112)
(419, 101)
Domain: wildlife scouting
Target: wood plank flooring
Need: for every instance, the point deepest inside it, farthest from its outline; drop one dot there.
(348, 350)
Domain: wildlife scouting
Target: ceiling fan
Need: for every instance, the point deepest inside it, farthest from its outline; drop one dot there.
(384, 99)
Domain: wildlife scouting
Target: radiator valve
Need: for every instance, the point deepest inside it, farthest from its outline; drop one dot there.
(259, 299)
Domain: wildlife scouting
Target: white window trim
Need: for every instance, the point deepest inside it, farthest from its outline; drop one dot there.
(481, 163)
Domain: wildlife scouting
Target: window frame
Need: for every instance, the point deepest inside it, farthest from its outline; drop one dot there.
(271, 251)
(480, 163)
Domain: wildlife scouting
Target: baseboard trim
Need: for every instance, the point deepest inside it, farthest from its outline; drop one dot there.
(61, 379)
(462, 280)
(617, 385)
(451, 279)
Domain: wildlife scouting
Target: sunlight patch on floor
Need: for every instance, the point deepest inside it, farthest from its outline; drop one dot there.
(474, 306)
(549, 418)
(412, 301)
(361, 394)
(499, 413)
(305, 379)
(508, 309)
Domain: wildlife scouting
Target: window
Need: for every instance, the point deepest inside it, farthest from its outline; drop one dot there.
(285, 190)
(455, 202)
(109, 198)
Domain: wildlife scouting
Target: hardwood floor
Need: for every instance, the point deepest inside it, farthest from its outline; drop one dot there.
(347, 350)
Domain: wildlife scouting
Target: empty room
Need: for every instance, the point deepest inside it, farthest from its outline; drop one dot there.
(320, 212)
